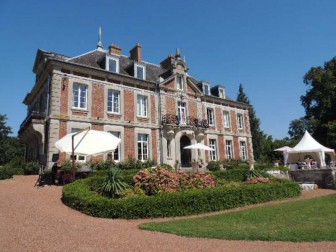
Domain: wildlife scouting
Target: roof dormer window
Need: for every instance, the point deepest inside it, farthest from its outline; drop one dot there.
(206, 88)
(139, 71)
(221, 92)
(112, 64)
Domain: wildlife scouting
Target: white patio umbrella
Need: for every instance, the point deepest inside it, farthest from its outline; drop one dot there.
(88, 143)
(199, 146)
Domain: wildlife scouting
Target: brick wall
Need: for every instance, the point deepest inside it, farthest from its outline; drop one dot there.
(221, 148)
(193, 109)
(64, 96)
(98, 100)
(153, 109)
(129, 143)
(236, 147)
(62, 133)
(170, 105)
(154, 145)
(129, 105)
(234, 121)
(219, 119)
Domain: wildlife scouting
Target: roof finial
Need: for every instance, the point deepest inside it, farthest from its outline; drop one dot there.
(100, 45)
(184, 60)
(178, 54)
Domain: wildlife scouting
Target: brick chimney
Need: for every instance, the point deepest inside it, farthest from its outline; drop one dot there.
(115, 49)
(168, 62)
(136, 53)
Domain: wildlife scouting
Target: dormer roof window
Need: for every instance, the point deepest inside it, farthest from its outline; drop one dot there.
(139, 71)
(206, 88)
(221, 93)
(112, 64)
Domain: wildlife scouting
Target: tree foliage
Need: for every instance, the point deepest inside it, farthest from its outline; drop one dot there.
(257, 134)
(11, 148)
(298, 127)
(320, 102)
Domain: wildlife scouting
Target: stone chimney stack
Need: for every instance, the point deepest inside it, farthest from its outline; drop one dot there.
(136, 53)
(168, 62)
(114, 49)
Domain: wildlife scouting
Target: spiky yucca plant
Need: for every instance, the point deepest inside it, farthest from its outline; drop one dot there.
(113, 184)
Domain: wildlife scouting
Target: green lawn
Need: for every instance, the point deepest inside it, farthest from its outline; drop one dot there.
(307, 220)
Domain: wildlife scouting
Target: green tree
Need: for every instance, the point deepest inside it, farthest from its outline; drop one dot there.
(298, 127)
(320, 101)
(257, 134)
(11, 148)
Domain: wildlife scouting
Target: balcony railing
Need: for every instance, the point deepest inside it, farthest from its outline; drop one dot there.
(170, 119)
(32, 115)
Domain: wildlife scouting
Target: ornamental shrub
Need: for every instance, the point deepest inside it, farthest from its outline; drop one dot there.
(31, 168)
(158, 180)
(113, 184)
(238, 175)
(78, 196)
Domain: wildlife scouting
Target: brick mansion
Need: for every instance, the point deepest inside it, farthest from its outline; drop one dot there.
(155, 109)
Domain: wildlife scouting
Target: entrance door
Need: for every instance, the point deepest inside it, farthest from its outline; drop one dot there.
(185, 153)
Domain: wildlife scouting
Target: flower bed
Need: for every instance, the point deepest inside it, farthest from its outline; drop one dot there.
(79, 196)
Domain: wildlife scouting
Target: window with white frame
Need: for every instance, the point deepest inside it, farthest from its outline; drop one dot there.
(112, 64)
(243, 153)
(79, 96)
(206, 88)
(113, 101)
(227, 121)
(115, 156)
(179, 82)
(213, 153)
(182, 112)
(240, 120)
(142, 147)
(142, 106)
(139, 71)
(78, 158)
(221, 93)
(211, 116)
(229, 149)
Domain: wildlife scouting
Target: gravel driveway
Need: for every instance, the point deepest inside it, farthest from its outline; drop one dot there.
(35, 219)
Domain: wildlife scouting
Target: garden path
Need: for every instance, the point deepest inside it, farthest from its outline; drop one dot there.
(35, 219)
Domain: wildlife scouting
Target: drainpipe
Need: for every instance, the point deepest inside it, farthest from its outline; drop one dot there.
(160, 127)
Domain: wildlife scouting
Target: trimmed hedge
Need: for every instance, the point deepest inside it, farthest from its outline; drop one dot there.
(7, 172)
(236, 175)
(77, 195)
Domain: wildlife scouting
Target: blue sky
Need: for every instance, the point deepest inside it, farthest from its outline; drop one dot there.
(266, 45)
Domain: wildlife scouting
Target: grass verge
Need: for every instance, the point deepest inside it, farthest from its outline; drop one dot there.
(307, 220)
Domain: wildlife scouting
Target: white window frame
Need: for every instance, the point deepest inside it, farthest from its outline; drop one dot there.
(117, 150)
(227, 119)
(221, 93)
(179, 85)
(213, 153)
(107, 63)
(243, 150)
(240, 120)
(182, 112)
(229, 149)
(211, 116)
(208, 88)
(113, 109)
(143, 147)
(136, 65)
(79, 96)
(142, 106)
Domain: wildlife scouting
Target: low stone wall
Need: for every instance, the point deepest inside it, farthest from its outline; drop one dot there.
(324, 178)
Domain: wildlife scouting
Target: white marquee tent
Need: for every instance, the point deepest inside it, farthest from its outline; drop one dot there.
(308, 146)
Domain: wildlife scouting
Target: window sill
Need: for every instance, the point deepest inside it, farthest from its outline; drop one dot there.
(113, 114)
(142, 118)
(79, 110)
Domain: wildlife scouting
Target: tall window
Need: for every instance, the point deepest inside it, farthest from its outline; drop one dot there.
(116, 154)
(140, 71)
(179, 81)
(228, 148)
(243, 153)
(78, 158)
(112, 64)
(211, 116)
(181, 112)
(221, 93)
(240, 119)
(213, 153)
(142, 147)
(168, 148)
(142, 106)
(80, 96)
(206, 89)
(227, 121)
(113, 101)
